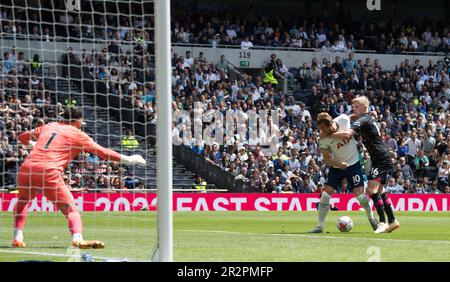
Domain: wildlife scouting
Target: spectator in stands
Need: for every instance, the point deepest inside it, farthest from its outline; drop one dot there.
(349, 63)
(77, 182)
(446, 42)
(130, 181)
(413, 146)
(447, 189)
(242, 174)
(8, 63)
(188, 59)
(409, 188)
(310, 186)
(114, 50)
(221, 64)
(421, 162)
(405, 169)
(392, 187)
(443, 172)
(282, 71)
(321, 36)
(71, 66)
(246, 43)
(339, 107)
(390, 142)
(116, 183)
(11, 163)
(435, 43)
(304, 75)
(429, 142)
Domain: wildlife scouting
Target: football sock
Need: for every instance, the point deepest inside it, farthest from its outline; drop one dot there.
(378, 203)
(388, 207)
(73, 217)
(77, 237)
(364, 202)
(20, 213)
(18, 234)
(324, 207)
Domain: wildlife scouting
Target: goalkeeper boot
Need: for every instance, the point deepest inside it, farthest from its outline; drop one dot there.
(18, 244)
(88, 244)
(393, 226)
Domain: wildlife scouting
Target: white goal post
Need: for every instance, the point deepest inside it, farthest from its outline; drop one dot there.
(163, 129)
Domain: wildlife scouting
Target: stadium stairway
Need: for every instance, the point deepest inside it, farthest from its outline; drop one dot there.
(108, 132)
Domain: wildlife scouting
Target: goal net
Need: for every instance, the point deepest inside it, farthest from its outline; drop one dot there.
(97, 56)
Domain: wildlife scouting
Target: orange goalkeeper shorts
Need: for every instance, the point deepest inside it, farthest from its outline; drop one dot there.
(49, 183)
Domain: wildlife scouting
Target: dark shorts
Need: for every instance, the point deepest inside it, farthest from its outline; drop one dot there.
(381, 174)
(353, 173)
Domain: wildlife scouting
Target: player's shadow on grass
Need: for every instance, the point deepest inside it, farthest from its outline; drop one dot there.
(323, 234)
(50, 247)
(33, 247)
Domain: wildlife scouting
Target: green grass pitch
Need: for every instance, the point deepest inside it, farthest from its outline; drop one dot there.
(234, 236)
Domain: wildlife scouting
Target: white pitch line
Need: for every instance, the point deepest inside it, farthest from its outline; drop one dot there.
(315, 236)
(54, 255)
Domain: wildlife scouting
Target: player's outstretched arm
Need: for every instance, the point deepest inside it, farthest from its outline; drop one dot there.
(90, 146)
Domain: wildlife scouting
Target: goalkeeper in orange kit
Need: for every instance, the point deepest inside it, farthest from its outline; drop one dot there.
(55, 145)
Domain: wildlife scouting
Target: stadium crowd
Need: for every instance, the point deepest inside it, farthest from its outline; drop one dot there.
(219, 26)
(29, 22)
(123, 73)
(241, 28)
(411, 105)
(28, 102)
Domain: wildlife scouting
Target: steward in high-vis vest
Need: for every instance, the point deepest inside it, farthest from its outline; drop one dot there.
(269, 77)
(70, 102)
(129, 141)
(199, 184)
(36, 64)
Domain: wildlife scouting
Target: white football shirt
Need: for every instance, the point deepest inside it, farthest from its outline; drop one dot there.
(341, 150)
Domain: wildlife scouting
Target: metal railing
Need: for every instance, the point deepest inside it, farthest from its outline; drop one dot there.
(237, 72)
(358, 51)
(57, 38)
(260, 47)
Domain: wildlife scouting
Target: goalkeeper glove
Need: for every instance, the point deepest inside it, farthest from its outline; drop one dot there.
(31, 144)
(132, 160)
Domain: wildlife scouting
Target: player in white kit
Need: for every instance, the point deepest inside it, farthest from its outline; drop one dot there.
(343, 158)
